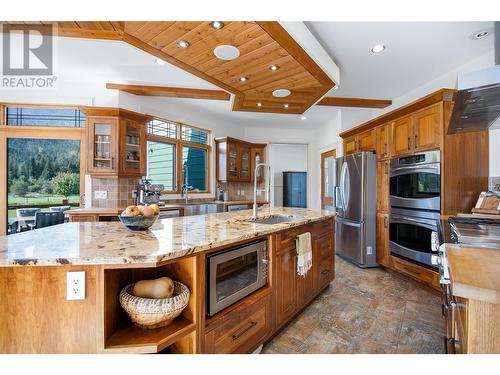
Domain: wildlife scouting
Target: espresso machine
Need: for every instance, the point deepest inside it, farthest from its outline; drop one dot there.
(148, 193)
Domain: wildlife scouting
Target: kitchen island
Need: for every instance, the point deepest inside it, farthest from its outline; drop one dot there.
(36, 317)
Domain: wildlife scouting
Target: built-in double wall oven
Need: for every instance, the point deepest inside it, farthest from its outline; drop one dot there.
(415, 199)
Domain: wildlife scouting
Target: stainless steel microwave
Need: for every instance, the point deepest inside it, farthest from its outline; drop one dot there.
(235, 273)
(415, 181)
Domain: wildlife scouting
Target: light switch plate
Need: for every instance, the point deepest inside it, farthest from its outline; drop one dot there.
(75, 285)
(101, 194)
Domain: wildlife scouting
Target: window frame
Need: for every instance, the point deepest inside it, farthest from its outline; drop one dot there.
(3, 114)
(179, 144)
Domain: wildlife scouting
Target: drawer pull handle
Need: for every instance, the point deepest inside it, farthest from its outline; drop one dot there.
(236, 336)
(324, 272)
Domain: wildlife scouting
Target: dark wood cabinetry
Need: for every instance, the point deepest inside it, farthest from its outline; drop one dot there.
(116, 141)
(236, 159)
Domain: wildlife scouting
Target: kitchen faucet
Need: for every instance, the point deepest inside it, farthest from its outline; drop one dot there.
(185, 188)
(268, 190)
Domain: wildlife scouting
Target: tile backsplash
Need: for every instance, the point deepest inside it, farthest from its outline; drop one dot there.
(494, 182)
(119, 192)
(245, 190)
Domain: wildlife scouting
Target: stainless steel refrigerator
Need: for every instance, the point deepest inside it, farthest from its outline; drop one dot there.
(356, 204)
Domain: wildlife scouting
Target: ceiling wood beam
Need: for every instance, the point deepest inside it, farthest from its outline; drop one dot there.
(170, 92)
(354, 102)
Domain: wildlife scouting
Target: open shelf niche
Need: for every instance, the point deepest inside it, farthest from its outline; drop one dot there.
(121, 335)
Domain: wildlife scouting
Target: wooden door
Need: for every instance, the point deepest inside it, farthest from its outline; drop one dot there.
(382, 139)
(232, 162)
(402, 134)
(428, 128)
(350, 145)
(327, 176)
(366, 141)
(383, 186)
(286, 286)
(102, 145)
(244, 153)
(383, 257)
(132, 149)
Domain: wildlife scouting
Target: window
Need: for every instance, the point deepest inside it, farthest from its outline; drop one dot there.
(171, 146)
(36, 116)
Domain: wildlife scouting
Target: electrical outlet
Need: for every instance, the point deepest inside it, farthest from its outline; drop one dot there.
(134, 194)
(101, 194)
(243, 193)
(75, 285)
(369, 250)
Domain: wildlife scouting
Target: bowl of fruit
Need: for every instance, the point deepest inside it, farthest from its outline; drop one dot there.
(139, 217)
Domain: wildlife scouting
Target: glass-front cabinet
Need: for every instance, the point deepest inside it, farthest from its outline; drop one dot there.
(236, 159)
(244, 154)
(116, 143)
(232, 167)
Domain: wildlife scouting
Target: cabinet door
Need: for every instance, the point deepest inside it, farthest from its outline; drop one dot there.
(382, 139)
(244, 163)
(102, 142)
(286, 287)
(132, 148)
(306, 286)
(366, 141)
(383, 185)
(428, 128)
(350, 145)
(383, 239)
(402, 134)
(232, 162)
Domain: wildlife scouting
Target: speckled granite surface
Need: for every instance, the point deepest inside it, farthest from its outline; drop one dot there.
(112, 243)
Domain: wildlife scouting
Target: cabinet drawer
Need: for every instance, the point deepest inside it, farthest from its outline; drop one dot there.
(323, 228)
(83, 218)
(241, 330)
(420, 273)
(286, 240)
(325, 246)
(325, 271)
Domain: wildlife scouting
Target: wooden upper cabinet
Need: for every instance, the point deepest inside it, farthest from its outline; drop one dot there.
(366, 141)
(428, 128)
(116, 141)
(350, 145)
(402, 135)
(235, 159)
(383, 141)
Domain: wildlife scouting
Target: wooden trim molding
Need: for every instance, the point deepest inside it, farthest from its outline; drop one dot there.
(115, 112)
(170, 92)
(354, 102)
(445, 95)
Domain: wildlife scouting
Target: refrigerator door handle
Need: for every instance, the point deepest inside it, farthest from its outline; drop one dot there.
(344, 183)
(338, 198)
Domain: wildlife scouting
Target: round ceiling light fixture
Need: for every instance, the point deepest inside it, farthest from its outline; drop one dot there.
(274, 67)
(217, 25)
(303, 118)
(243, 79)
(259, 104)
(182, 43)
(226, 52)
(160, 62)
(281, 93)
(378, 48)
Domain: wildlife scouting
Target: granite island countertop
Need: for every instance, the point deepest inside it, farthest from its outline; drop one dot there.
(111, 243)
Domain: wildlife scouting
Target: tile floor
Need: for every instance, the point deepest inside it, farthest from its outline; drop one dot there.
(366, 311)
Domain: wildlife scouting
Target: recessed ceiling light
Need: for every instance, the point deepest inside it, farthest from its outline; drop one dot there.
(182, 43)
(281, 93)
(274, 67)
(378, 48)
(481, 34)
(285, 106)
(226, 52)
(243, 79)
(259, 104)
(217, 25)
(160, 62)
(303, 118)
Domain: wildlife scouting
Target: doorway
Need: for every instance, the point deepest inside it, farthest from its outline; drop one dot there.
(327, 178)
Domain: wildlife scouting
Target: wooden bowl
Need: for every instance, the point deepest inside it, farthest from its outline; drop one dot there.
(138, 222)
(154, 312)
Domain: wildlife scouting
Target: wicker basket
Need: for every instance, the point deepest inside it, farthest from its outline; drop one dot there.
(151, 312)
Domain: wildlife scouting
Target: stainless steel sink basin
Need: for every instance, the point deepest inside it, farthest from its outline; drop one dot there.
(275, 219)
(191, 209)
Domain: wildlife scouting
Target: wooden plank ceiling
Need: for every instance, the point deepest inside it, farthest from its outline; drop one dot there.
(261, 44)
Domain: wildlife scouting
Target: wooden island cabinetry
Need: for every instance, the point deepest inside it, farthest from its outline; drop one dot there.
(418, 127)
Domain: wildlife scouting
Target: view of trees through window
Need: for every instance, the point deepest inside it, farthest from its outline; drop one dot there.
(42, 172)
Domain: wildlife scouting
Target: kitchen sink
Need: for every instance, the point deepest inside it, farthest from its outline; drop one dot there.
(275, 219)
(203, 208)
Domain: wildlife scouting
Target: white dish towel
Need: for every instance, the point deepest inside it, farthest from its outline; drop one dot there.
(304, 253)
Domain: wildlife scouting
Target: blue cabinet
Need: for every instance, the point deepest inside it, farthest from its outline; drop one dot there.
(294, 189)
